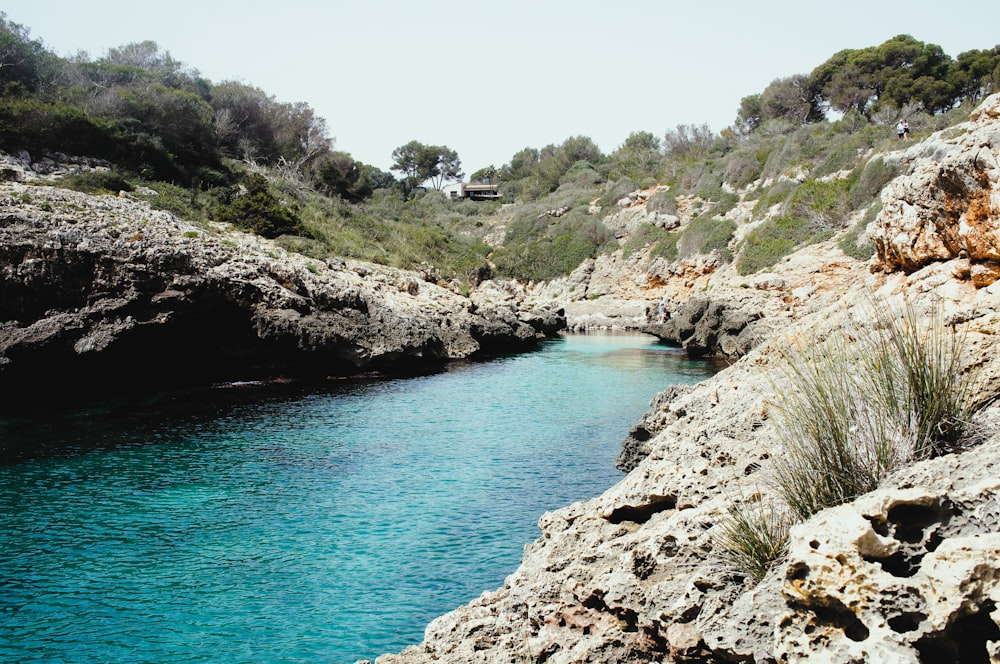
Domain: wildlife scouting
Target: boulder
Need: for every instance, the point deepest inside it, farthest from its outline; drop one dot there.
(948, 206)
(704, 327)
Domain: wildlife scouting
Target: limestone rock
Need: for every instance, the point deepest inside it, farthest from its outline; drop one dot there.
(703, 327)
(105, 293)
(948, 206)
(905, 574)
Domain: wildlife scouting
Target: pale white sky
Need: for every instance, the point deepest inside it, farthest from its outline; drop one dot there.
(489, 78)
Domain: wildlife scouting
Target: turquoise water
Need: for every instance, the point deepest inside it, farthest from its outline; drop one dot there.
(246, 524)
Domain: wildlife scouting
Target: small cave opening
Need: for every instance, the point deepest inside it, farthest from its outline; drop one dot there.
(964, 641)
(640, 514)
(910, 521)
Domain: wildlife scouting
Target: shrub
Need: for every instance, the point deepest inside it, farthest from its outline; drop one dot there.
(862, 404)
(662, 202)
(645, 235)
(666, 247)
(773, 240)
(849, 244)
(768, 197)
(875, 175)
(752, 537)
(823, 202)
(705, 235)
(615, 192)
(96, 182)
(258, 211)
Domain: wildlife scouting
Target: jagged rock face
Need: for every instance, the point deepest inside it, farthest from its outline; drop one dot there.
(949, 205)
(702, 327)
(906, 574)
(103, 292)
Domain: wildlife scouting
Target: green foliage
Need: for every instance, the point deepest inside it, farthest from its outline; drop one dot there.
(666, 247)
(257, 210)
(34, 125)
(614, 192)
(420, 163)
(644, 236)
(542, 248)
(849, 242)
(825, 203)
(638, 158)
(773, 240)
(97, 182)
(874, 176)
(706, 235)
(752, 537)
(862, 404)
(532, 173)
(663, 202)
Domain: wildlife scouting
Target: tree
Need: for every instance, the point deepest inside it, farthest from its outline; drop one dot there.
(22, 59)
(976, 74)
(639, 156)
(420, 163)
(793, 99)
(899, 71)
(688, 140)
(489, 175)
(750, 116)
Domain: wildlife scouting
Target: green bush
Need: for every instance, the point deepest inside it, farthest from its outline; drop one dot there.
(773, 240)
(864, 403)
(35, 125)
(824, 202)
(849, 242)
(874, 176)
(666, 247)
(97, 182)
(662, 202)
(645, 235)
(705, 235)
(259, 211)
(768, 197)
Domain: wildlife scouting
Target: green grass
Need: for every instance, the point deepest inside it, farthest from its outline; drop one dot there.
(864, 403)
(752, 537)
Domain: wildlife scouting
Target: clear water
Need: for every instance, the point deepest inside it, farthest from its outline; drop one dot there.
(275, 525)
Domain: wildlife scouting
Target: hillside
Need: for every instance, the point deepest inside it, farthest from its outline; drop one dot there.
(140, 252)
(906, 573)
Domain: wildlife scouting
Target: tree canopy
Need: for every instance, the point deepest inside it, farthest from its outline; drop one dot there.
(421, 163)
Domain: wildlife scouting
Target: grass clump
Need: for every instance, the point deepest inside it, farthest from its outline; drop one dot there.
(863, 405)
(752, 537)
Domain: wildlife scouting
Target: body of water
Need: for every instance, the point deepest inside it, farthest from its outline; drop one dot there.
(252, 524)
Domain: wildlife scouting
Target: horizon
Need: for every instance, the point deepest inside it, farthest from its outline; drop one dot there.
(559, 69)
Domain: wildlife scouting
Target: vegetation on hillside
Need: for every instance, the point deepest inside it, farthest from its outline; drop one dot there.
(805, 150)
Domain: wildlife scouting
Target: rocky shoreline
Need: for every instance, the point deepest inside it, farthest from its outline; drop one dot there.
(908, 573)
(103, 294)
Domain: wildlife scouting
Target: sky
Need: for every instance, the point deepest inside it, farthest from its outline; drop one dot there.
(490, 78)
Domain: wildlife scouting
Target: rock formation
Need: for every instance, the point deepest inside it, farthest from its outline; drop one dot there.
(104, 293)
(908, 573)
(703, 327)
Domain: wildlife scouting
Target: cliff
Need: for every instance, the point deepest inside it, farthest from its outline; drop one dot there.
(102, 294)
(907, 573)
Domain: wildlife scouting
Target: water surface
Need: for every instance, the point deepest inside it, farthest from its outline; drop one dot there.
(246, 524)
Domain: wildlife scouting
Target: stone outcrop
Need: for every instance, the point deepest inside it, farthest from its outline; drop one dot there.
(906, 574)
(105, 293)
(703, 327)
(949, 206)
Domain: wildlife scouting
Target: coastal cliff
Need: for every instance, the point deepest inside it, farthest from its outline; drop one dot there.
(100, 294)
(907, 573)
